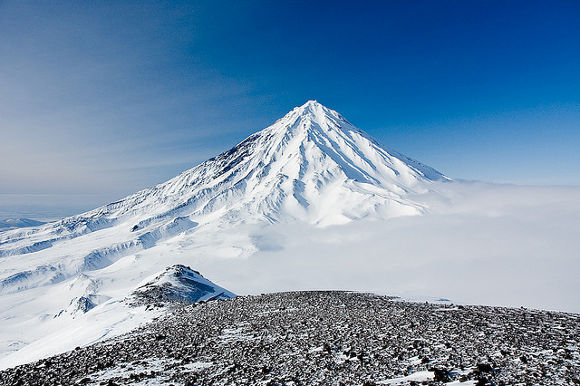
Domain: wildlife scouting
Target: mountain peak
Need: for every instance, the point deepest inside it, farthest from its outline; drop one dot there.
(311, 102)
(179, 283)
(313, 108)
(312, 115)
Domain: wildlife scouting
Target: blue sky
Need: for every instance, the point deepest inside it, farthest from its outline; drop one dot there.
(106, 98)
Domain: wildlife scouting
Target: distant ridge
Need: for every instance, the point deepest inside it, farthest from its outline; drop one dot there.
(13, 223)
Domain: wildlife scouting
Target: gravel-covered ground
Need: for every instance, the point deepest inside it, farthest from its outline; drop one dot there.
(326, 338)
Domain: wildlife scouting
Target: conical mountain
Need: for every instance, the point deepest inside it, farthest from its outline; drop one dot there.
(312, 165)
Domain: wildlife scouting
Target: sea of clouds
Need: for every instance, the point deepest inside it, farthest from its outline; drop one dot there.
(479, 244)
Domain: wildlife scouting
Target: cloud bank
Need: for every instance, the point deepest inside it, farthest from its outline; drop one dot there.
(483, 244)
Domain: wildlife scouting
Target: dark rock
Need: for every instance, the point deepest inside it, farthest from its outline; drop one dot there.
(441, 375)
(484, 367)
(323, 338)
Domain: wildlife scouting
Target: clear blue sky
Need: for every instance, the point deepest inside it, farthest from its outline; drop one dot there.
(109, 97)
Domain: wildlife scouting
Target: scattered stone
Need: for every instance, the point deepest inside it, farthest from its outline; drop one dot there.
(325, 337)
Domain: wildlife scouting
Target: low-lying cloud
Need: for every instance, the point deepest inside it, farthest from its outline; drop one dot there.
(482, 244)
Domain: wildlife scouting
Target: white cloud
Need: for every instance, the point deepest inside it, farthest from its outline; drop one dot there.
(491, 244)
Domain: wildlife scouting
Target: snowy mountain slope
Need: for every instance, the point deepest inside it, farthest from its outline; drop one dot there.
(73, 327)
(312, 167)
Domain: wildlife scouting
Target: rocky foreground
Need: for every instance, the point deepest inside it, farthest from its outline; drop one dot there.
(326, 338)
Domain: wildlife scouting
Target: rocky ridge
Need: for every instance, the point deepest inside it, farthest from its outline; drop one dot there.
(326, 338)
(181, 284)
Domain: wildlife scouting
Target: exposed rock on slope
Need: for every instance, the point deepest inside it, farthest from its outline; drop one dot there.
(327, 338)
(90, 318)
(179, 284)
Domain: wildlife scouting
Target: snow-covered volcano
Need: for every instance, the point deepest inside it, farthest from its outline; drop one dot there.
(312, 166)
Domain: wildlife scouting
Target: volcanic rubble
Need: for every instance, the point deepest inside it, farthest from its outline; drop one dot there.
(325, 337)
